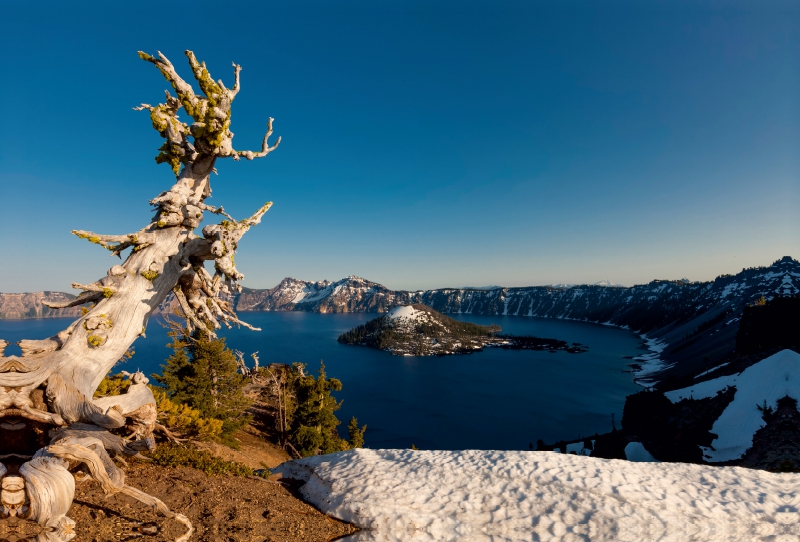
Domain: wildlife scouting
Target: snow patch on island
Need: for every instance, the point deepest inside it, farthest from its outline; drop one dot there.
(505, 496)
(768, 380)
(406, 311)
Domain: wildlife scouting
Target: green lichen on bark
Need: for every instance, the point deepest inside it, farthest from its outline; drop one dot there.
(169, 156)
(211, 112)
(207, 84)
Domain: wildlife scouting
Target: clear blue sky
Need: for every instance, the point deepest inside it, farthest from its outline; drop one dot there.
(429, 145)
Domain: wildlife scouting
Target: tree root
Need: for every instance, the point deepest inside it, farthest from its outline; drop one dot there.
(159, 506)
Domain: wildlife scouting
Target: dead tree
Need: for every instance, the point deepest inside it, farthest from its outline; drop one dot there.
(241, 365)
(50, 387)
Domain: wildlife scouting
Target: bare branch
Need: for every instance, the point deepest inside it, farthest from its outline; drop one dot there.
(235, 90)
(192, 320)
(238, 322)
(265, 148)
(217, 211)
(209, 87)
(94, 287)
(159, 506)
(169, 434)
(256, 218)
(117, 243)
(82, 299)
(186, 95)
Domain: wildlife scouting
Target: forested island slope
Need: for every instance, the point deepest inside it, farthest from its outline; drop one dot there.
(418, 330)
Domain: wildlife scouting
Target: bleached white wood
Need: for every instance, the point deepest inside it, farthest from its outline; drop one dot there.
(55, 378)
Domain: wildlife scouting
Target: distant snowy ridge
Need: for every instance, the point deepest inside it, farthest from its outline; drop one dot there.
(659, 308)
(644, 308)
(509, 496)
(609, 284)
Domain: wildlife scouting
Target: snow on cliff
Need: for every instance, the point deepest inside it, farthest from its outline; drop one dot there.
(650, 364)
(768, 380)
(496, 496)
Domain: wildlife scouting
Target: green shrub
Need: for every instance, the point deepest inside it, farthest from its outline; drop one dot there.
(202, 373)
(176, 455)
(187, 420)
(113, 385)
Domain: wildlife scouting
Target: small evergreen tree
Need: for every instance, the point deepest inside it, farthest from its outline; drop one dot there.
(313, 420)
(356, 434)
(202, 373)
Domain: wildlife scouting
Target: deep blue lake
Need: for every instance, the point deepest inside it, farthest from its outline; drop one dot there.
(495, 399)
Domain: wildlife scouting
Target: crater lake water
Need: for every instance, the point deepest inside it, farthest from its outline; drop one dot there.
(494, 399)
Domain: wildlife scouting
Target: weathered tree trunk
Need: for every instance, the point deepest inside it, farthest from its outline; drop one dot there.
(54, 380)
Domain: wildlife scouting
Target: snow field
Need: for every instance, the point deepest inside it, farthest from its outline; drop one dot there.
(768, 380)
(505, 496)
(405, 311)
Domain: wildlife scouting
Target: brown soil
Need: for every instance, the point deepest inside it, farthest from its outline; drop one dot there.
(254, 451)
(221, 509)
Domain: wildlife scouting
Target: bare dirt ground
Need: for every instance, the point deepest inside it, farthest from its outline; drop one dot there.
(254, 451)
(221, 509)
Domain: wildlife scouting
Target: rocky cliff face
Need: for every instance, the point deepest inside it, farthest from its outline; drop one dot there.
(645, 307)
(29, 305)
(352, 294)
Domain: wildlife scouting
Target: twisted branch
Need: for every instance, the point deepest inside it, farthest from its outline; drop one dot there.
(211, 129)
(117, 243)
(236, 69)
(265, 148)
(185, 92)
